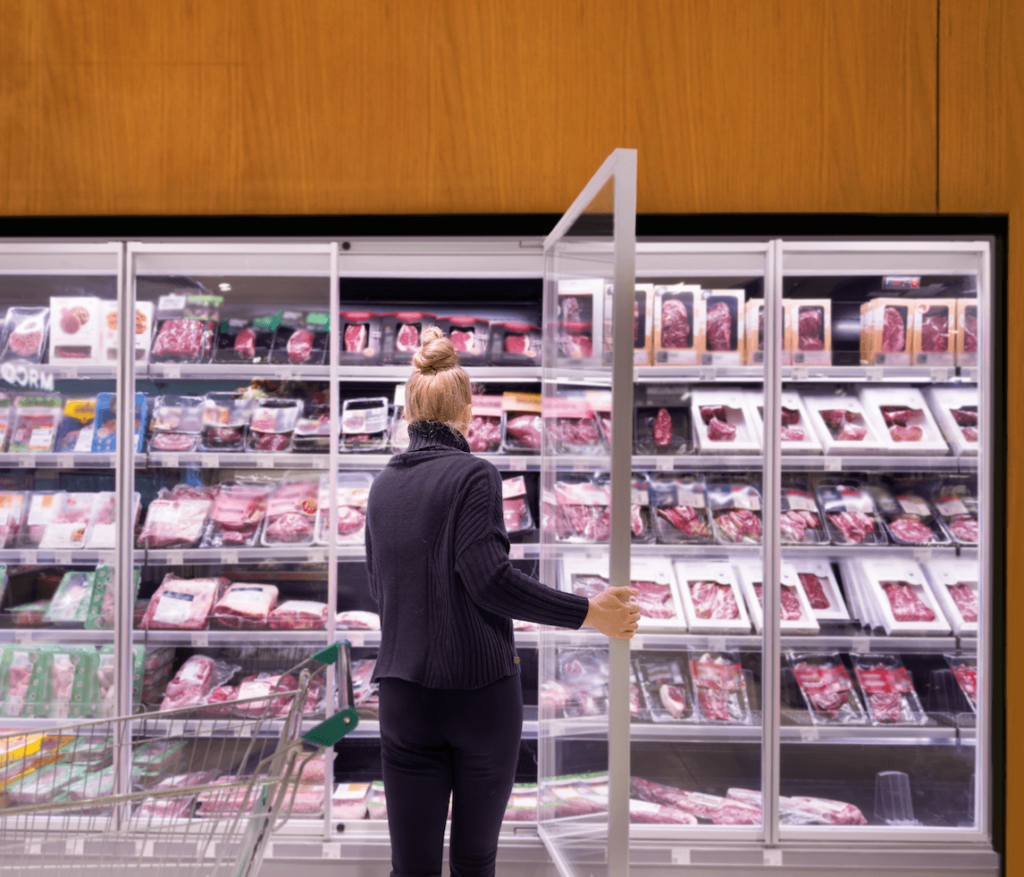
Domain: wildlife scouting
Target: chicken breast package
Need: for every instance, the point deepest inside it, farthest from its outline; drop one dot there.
(720, 688)
(523, 423)
(795, 614)
(850, 514)
(292, 512)
(352, 493)
(182, 604)
(888, 690)
(680, 509)
(909, 518)
(901, 596)
(663, 687)
(245, 606)
(903, 420)
(722, 422)
(735, 512)
(711, 597)
(176, 423)
(843, 426)
(828, 689)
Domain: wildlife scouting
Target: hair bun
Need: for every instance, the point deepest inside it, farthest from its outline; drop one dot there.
(435, 352)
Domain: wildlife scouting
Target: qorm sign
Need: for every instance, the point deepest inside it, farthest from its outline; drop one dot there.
(24, 376)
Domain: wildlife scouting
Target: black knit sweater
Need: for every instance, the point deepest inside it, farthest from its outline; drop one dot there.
(437, 557)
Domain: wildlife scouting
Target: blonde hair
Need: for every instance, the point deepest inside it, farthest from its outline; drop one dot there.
(439, 388)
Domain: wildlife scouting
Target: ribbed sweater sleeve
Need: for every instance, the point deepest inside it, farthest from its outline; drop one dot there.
(481, 561)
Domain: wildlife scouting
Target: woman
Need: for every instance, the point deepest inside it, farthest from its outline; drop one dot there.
(451, 708)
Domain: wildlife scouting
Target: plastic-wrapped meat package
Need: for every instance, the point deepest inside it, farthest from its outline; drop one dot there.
(262, 686)
(515, 509)
(364, 424)
(520, 339)
(195, 679)
(291, 513)
(965, 528)
(236, 515)
(68, 525)
(827, 689)
(713, 600)
(246, 606)
(70, 604)
(182, 604)
(906, 605)
(820, 811)
(176, 423)
(484, 434)
(299, 615)
(736, 511)
(18, 667)
(572, 426)
(719, 327)
(889, 690)
(41, 786)
(175, 523)
(354, 619)
(178, 806)
(965, 670)
(35, 423)
(851, 516)
(810, 327)
(675, 322)
(525, 429)
(225, 420)
(580, 512)
(12, 508)
(25, 334)
(844, 425)
(908, 517)
(789, 604)
(664, 681)
(718, 810)
(42, 507)
(680, 507)
(957, 506)
(721, 688)
(272, 426)
(935, 330)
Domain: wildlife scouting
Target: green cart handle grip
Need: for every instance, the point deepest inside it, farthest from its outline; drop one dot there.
(329, 732)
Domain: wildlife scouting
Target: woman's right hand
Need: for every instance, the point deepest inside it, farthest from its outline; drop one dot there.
(613, 613)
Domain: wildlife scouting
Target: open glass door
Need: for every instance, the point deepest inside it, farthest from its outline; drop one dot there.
(588, 339)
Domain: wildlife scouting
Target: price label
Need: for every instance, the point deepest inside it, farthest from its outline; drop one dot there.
(940, 375)
(516, 551)
(809, 733)
(284, 374)
(172, 371)
(175, 558)
(665, 464)
(266, 462)
(922, 554)
(200, 638)
(680, 856)
(860, 644)
(355, 637)
(210, 461)
(517, 464)
(23, 636)
(26, 461)
(799, 373)
(773, 858)
(26, 557)
(873, 374)
(230, 557)
(62, 558)
(171, 461)
(636, 643)
(318, 556)
(65, 461)
(716, 643)
(68, 372)
(833, 464)
(708, 373)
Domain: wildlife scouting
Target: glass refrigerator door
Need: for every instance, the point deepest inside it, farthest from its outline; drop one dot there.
(885, 518)
(235, 433)
(583, 737)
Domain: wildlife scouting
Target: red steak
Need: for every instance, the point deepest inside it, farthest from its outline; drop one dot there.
(675, 325)
(719, 327)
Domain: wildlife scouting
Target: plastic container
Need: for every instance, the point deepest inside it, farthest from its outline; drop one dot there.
(888, 690)
(800, 519)
(175, 521)
(720, 327)
(515, 506)
(827, 689)
(364, 424)
(797, 434)
(70, 604)
(247, 340)
(572, 426)
(664, 429)
(909, 518)
(903, 420)
(850, 514)
(42, 507)
(470, 336)
(313, 429)
(187, 326)
(894, 804)
(680, 510)
(955, 410)
(36, 419)
(957, 506)
(272, 427)
(403, 332)
(225, 421)
(577, 511)
(515, 344)
(70, 523)
(361, 338)
(104, 441)
(954, 582)
(486, 428)
(176, 423)
(844, 427)
(301, 338)
(904, 602)
(711, 597)
(720, 688)
(821, 589)
(352, 493)
(24, 335)
(292, 512)
(965, 670)
(102, 529)
(664, 689)
(237, 514)
(735, 512)
(675, 325)
(523, 424)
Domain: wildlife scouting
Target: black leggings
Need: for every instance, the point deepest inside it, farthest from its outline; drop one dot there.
(436, 742)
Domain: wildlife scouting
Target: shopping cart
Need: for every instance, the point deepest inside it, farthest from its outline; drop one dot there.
(192, 791)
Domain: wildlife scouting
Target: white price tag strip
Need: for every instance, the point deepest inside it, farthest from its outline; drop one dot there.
(318, 556)
(799, 373)
(23, 636)
(873, 374)
(210, 461)
(265, 462)
(517, 464)
(200, 638)
(665, 464)
(773, 858)
(921, 555)
(284, 374)
(860, 644)
(175, 558)
(354, 637)
(172, 371)
(716, 643)
(940, 375)
(26, 461)
(516, 551)
(636, 644)
(708, 373)
(833, 464)
(65, 461)
(171, 461)
(62, 558)
(680, 856)
(809, 733)
(27, 557)
(229, 557)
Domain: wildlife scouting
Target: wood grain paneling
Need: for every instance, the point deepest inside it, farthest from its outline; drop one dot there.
(269, 106)
(981, 169)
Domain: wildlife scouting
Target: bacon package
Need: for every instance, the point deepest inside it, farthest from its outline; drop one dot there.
(176, 518)
(572, 426)
(578, 511)
(176, 423)
(485, 428)
(522, 422)
(850, 514)
(272, 426)
(514, 505)
(301, 338)
(291, 513)
(735, 511)
(245, 340)
(720, 688)
(245, 606)
(827, 689)
(361, 338)
(36, 419)
(182, 604)
(225, 421)
(663, 689)
(955, 501)
(352, 493)
(908, 517)
(711, 597)
(795, 614)
(680, 506)
(888, 689)
(675, 325)
(24, 335)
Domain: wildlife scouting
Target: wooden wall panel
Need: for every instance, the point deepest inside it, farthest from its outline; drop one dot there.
(981, 169)
(235, 106)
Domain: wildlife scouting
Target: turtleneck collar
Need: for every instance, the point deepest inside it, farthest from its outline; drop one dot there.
(431, 434)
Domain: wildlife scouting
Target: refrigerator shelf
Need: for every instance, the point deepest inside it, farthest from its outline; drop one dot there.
(346, 373)
(805, 374)
(241, 460)
(231, 638)
(850, 644)
(177, 557)
(791, 463)
(61, 461)
(35, 557)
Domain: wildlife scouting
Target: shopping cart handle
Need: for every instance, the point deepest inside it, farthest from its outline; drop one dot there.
(329, 655)
(332, 730)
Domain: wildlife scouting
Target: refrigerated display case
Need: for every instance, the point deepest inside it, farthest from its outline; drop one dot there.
(812, 677)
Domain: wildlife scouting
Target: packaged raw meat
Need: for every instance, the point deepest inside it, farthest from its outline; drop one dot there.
(753, 333)
(195, 679)
(515, 343)
(101, 531)
(6, 418)
(73, 681)
(572, 426)
(821, 588)
(522, 803)
(272, 425)
(376, 804)
(965, 670)
(299, 615)
(313, 429)
(795, 614)
(12, 514)
(356, 620)
(349, 801)
(957, 506)
(69, 522)
(797, 434)
(182, 604)
(579, 306)
(225, 420)
(40, 786)
(470, 336)
(808, 331)
(954, 582)
(104, 440)
(485, 429)
(186, 327)
(736, 512)
(663, 686)
(578, 511)
(901, 595)
(722, 422)
(819, 811)
(176, 423)
(42, 507)
(720, 688)
(680, 507)
(719, 332)
(268, 694)
(711, 597)
(24, 335)
(237, 514)
(850, 514)
(933, 331)
(245, 606)
(580, 689)
(35, 423)
(522, 422)
(909, 518)
(77, 426)
(351, 494)
(109, 340)
(955, 410)
(652, 577)
(675, 325)
(514, 504)
(174, 523)
(886, 331)
(364, 424)
(843, 426)
(402, 333)
(70, 604)
(888, 689)
(292, 513)
(361, 338)
(643, 322)
(29, 614)
(24, 682)
(75, 333)
(247, 340)
(641, 525)
(301, 338)
(903, 419)
(662, 429)
(100, 614)
(967, 332)
(799, 518)
(827, 689)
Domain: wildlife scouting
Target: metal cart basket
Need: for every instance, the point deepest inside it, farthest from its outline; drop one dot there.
(192, 791)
